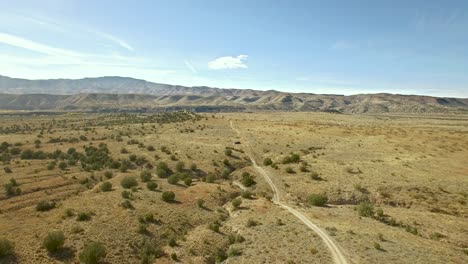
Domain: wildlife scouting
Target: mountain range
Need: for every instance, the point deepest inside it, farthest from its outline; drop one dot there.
(122, 93)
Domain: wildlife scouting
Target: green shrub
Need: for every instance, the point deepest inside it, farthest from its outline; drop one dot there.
(173, 179)
(162, 170)
(236, 203)
(93, 253)
(152, 186)
(200, 203)
(43, 206)
(377, 246)
(220, 255)
(7, 170)
(108, 174)
(365, 209)
(54, 241)
(267, 162)
(126, 194)
(128, 182)
(210, 178)
(247, 179)
(6, 247)
(188, 181)
(106, 186)
(126, 204)
(214, 226)
(174, 256)
(232, 252)
(180, 166)
(251, 223)
(317, 199)
(145, 176)
(193, 167)
(228, 152)
(168, 196)
(246, 194)
(290, 170)
(83, 216)
(63, 165)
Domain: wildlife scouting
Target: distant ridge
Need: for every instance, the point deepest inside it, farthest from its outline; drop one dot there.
(122, 93)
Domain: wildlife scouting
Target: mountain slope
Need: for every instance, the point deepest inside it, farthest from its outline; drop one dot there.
(119, 93)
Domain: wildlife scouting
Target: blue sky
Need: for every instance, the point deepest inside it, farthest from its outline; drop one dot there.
(340, 47)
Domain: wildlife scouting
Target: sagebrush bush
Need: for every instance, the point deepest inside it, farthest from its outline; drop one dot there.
(43, 206)
(83, 216)
(6, 247)
(145, 176)
(93, 253)
(126, 194)
(108, 174)
(267, 162)
(168, 196)
(152, 186)
(54, 241)
(173, 179)
(106, 186)
(247, 179)
(128, 182)
(365, 209)
(236, 203)
(317, 199)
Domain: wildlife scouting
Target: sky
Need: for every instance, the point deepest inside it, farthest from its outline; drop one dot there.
(331, 47)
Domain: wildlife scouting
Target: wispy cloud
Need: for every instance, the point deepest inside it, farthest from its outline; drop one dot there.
(115, 39)
(228, 62)
(190, 66)
(35, 46)
(64, 28)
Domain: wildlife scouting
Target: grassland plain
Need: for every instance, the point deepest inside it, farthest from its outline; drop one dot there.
(395, 187)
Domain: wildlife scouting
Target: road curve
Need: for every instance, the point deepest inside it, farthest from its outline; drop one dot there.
(337, 255)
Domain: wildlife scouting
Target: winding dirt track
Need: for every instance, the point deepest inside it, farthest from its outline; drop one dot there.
(337, 254)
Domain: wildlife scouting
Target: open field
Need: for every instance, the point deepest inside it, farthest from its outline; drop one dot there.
(384, 188)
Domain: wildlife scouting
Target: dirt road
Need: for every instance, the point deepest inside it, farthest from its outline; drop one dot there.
(337, 254)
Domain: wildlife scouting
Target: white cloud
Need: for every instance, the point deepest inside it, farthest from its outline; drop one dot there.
(228, 62)
(190, 66)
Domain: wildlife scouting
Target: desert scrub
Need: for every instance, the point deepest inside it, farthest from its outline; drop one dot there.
(43, 206)
(214, 226)
(168, 196)
(188, 181)
(200, 203)
(251, 223)
(126, 204)
(317, 200)
(236, 203)
(128, 182)
(54, 241)
(93, 253)
(247, 179)
(365, 209)
(6, 247)
(152, 186)
(145, 176)
(108, 174)
(106, 186)
(126, 194)
(267, 162)
(173, 179)
(232, 252)
(83, 216)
